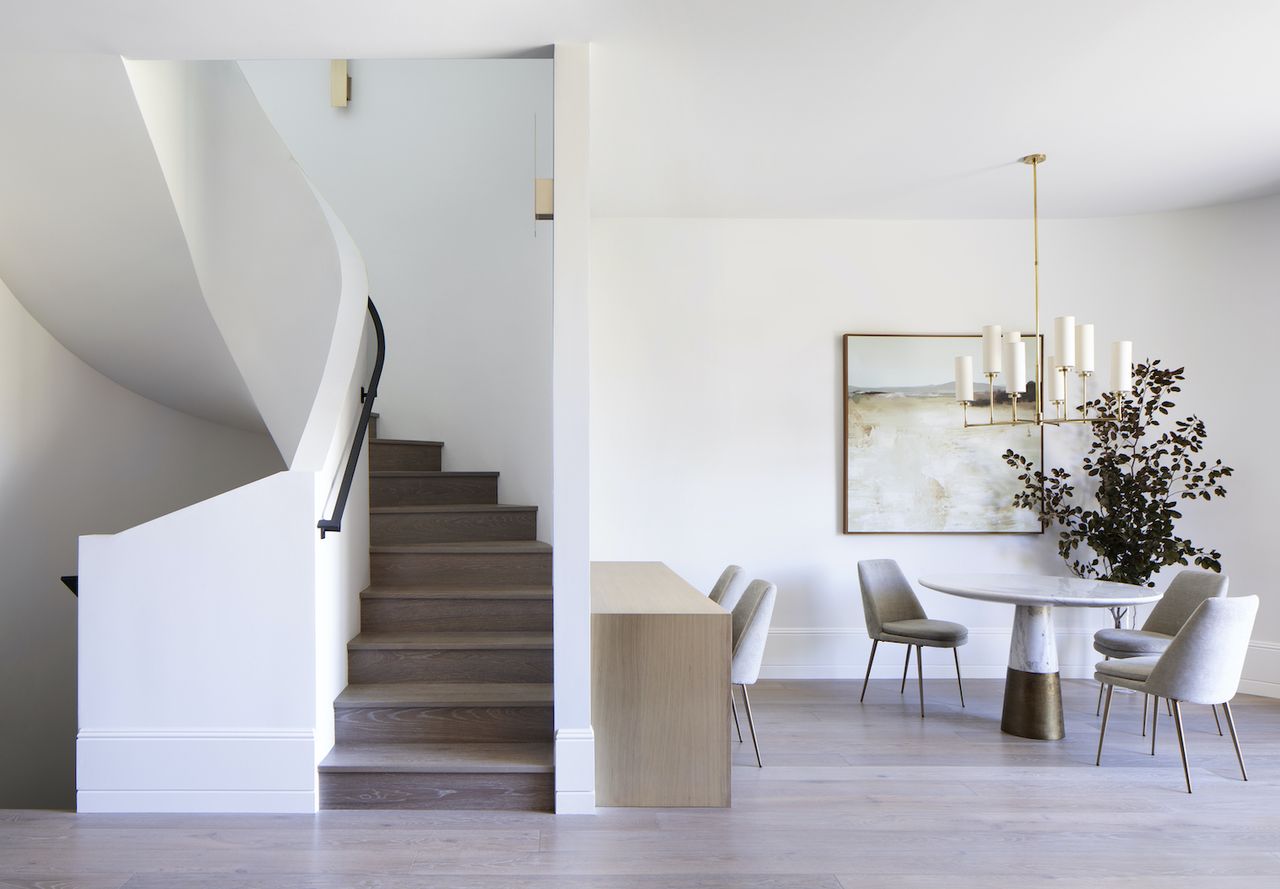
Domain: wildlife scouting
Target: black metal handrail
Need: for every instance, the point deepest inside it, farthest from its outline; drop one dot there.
(334, 523)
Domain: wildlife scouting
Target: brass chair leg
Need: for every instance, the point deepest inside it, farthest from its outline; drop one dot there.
(871, 660)
(751, 724)
(1182, 742)
(1144, 714)
(1102, 733)
(905, 664)
(1155, 717)
(1216, 721)
(1235, 740)
(920, 678)
(956, 652)
(734, 705)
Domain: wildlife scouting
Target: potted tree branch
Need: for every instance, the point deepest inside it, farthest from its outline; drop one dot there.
(1138, 472)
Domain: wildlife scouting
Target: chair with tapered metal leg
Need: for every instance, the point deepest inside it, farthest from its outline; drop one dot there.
(894, 614)
(751, 617)
(1184, 595)
(1202, 665)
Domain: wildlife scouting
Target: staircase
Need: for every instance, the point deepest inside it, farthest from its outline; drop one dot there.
(449, 701)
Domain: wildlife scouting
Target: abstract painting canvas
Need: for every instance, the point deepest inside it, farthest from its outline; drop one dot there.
(910, 465)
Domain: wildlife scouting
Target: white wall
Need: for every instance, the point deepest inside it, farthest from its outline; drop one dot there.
(79, 454)
(716, 410)
(91, 245)
(575, 739)
(261, 244)
(431, 167)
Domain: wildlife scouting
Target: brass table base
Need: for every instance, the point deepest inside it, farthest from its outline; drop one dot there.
(1032, 706)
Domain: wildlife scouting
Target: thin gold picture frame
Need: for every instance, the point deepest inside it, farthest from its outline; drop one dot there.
(844, 432)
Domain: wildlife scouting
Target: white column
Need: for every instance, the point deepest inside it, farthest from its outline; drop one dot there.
(571, 570)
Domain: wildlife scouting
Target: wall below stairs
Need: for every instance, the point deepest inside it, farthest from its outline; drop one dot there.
(79, 454)
(431, 168)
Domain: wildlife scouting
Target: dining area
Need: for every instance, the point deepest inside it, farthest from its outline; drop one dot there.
(674, 667)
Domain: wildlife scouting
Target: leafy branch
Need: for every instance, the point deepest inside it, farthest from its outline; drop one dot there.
(1139, 470)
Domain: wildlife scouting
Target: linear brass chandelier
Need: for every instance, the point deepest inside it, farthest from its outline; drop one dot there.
(1004, 352)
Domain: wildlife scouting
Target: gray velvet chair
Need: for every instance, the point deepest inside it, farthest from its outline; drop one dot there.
(751, 618)
(894, 614)
(1202, 665)
(721, 589)
(1184, 595)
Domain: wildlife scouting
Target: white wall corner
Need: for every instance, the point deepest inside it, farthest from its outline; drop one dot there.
(575, 771)
(1262, 669)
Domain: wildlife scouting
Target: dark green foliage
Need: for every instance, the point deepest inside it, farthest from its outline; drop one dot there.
(1140, 470)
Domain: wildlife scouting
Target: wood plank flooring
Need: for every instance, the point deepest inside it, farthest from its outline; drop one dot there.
(851, 796)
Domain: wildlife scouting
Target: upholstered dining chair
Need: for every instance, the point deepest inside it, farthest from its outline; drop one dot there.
(1184, 595)
(722, 587)
(751, 618)
(1202, 665)
(894, 614)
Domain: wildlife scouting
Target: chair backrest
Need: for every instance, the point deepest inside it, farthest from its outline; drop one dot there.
(727, 577)
(748, 646)
(743, 609)
(886, 594)
(1203, 663)
(1182, 598)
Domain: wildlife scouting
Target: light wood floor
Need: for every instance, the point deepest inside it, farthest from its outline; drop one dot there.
(850, 796)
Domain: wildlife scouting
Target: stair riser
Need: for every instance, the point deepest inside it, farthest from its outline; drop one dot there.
(401, 665)
(442, 615)
(432, 491)
(394, 790)
(480, 569)
(428, 724)
(419, 457)
(451, 527)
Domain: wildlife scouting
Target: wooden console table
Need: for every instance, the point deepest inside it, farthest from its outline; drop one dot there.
(659, 688)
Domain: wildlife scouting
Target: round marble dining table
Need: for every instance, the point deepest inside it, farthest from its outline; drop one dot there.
(1033, 687)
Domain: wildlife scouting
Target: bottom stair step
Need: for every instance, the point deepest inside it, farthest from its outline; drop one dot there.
(501, 776)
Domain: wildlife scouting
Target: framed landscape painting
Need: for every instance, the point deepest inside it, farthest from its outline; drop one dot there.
(910, 466)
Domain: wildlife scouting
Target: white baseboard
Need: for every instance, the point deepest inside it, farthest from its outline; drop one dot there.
(842, 652)
(141, 770)
(293, 802)
(575, 802)
(575, 771)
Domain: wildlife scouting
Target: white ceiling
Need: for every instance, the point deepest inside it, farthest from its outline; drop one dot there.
(817, 108)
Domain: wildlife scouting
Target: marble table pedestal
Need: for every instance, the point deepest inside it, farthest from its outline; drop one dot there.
(1033, 687)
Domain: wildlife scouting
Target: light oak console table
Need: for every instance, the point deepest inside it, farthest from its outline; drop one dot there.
(659, 688)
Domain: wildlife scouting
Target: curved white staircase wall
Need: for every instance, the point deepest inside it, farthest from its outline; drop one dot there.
(264, 252)
(90, 242)
(213, 639)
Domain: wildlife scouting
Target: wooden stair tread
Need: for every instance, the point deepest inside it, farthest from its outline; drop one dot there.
(446, 591)
(457, 639)
(409, 441)
(427, 473)
(450, 507)
(474, 757)
(444, 694)
(478, 546)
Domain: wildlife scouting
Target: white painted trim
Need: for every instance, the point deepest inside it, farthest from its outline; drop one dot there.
(578, 802)
(841, 653)
(292, 802)
(575, 771)
(197, 770)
